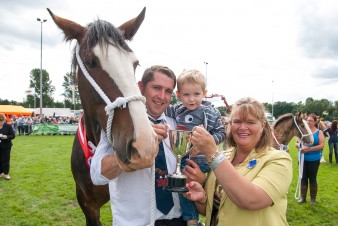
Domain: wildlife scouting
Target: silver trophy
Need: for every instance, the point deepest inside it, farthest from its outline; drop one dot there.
(180, 145)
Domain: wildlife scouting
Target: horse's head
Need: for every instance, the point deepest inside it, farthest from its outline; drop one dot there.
(303, 129)
(109, 95)
(287, 126)
(321, 125)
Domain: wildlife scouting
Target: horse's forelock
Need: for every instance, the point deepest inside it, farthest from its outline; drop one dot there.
(101, 33)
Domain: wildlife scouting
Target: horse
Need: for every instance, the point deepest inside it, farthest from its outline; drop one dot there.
(111, 102)
(288, 126)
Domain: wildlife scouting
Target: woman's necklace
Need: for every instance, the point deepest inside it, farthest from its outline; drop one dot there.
(238, 161)
(251, 162)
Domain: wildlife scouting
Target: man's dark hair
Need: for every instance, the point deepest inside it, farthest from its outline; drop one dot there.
(148, 74)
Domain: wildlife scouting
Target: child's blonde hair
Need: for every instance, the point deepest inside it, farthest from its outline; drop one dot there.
(192, 77)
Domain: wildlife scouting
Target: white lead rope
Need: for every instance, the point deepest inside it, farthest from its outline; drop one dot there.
(300, 171)
(152, 197)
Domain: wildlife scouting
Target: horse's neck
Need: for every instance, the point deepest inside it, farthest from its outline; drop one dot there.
(92, 130)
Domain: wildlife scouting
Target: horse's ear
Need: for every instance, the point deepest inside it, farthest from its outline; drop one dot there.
(130, 27)
(304, 115)
(71, 29)
(299, 116)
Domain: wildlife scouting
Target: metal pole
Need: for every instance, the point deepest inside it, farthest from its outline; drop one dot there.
(272, 102)
(34, 99)
(73, 95)
(206, 74)
(41, 22)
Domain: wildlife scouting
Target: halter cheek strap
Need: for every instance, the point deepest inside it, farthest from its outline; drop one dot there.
(306, 135)
(120, 102)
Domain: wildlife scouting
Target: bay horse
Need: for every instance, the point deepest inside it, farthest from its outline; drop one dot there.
(288, 126)
(111, 102)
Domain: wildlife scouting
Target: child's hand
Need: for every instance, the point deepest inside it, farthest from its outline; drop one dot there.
(193, 172)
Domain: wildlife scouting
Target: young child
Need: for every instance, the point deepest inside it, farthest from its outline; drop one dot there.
(193, 111)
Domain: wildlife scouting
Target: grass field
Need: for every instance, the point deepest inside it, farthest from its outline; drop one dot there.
(42, 190)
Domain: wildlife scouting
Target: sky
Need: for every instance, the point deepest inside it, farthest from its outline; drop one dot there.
(272, 50)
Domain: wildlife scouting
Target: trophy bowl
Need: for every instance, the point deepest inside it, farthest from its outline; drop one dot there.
(180, 145)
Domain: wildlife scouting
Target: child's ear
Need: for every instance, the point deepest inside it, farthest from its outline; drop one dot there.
(178, 94)
(205, 92)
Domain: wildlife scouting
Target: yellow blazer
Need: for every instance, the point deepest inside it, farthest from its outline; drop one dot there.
(273, 173)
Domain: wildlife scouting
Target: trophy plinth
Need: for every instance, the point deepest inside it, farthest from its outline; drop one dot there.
(180, 145)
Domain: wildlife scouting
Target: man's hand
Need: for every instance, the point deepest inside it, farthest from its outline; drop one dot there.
(161, 130)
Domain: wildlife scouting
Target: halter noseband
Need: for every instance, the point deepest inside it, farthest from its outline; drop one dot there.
(120, 102)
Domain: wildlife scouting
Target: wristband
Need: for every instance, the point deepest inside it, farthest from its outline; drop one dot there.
(213, 157)
(217, 160)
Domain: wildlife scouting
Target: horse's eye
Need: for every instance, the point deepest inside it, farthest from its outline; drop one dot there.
(91, 64)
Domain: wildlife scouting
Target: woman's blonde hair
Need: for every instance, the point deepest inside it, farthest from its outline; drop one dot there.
(192, 77)
(249, 105)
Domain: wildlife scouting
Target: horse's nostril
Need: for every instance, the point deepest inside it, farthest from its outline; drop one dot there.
(131, 150)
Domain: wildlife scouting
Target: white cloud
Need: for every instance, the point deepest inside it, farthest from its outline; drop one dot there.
(247, 44)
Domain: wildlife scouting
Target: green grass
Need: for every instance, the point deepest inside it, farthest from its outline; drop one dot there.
(325, 212)
(42, 190)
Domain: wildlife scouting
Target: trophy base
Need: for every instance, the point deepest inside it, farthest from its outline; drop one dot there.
(173, 189)
(176, 183)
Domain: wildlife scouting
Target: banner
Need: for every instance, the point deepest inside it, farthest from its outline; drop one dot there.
(52, 129)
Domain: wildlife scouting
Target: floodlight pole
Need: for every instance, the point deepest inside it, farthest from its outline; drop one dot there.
(41, 22)
(206, 74)
(272, 102)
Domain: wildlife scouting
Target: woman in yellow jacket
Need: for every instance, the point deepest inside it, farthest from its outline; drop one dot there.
(250, 185)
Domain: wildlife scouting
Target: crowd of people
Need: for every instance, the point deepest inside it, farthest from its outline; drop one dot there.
(23, 125)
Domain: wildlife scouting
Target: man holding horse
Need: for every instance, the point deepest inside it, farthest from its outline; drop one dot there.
(131, 192)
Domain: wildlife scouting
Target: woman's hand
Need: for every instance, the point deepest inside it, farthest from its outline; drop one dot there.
(193, 172)
(305, 149)
(203, 141)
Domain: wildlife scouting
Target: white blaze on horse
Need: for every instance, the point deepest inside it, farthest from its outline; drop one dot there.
(111, 101)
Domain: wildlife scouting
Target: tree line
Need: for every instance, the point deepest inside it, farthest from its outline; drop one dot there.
(71, 97)
(324, 108)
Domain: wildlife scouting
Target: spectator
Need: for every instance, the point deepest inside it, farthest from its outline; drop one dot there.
(312, 155)
(333, 140)
(6, 136)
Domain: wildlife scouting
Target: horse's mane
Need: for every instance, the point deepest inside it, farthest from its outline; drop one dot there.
(99, 32)
(282, 119)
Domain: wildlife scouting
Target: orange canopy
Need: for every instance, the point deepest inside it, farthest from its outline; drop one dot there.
(9, 110)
